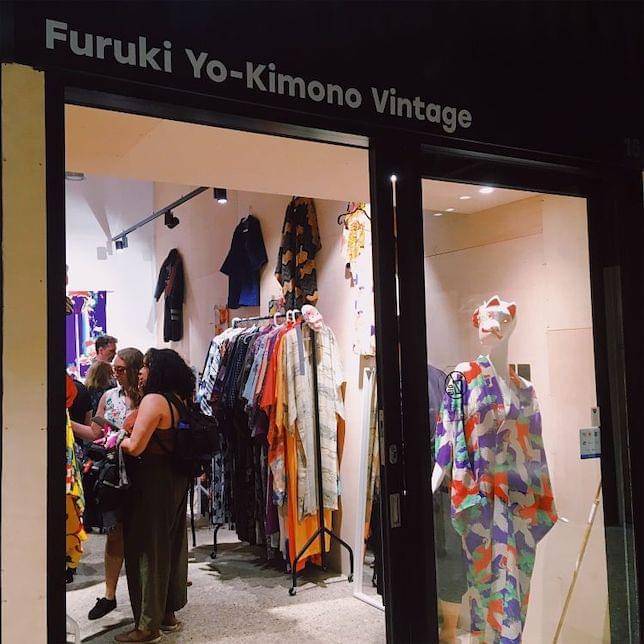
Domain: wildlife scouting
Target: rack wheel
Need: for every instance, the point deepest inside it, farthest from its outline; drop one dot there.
(292, 592)
(350, 579)
(213, 555)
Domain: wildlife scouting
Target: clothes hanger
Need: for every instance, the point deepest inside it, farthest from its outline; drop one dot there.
(342, 217)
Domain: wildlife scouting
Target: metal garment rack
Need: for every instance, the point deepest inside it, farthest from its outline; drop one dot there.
(322, 530)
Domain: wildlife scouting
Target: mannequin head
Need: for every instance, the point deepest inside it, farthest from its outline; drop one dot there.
(496, 320)
(312, 317)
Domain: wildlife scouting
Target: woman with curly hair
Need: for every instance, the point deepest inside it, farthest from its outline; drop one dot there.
(154, 519)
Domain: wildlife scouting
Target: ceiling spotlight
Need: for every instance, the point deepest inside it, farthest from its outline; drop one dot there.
(449, 209)
(75, 176)
(221, 195)
(121, 244)
(464, 197)
(170, 220)
(486, 191)
(438, 214)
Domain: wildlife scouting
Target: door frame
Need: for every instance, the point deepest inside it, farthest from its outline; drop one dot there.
(410, 587)
(63, 89)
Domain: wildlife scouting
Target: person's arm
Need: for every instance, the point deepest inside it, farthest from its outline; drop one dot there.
(148, 418)
(88, 417)
(100, 411)
(86, 432)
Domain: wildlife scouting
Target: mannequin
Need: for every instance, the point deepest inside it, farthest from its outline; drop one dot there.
(496, 322)
(489, 443)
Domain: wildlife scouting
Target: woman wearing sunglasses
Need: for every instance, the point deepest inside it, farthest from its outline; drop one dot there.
(115, 406)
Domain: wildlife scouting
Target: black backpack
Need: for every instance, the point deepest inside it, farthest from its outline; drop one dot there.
(196, 438)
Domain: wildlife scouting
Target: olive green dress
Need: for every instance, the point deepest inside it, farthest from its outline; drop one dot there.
(154, 531)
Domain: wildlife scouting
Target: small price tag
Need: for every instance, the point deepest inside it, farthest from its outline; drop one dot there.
(590, 442)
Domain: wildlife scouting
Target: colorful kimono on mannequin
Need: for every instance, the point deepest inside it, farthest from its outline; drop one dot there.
(501, 496)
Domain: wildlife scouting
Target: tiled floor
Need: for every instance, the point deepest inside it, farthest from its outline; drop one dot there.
(235, 598)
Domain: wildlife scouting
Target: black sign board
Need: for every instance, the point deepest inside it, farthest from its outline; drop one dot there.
(561, 78)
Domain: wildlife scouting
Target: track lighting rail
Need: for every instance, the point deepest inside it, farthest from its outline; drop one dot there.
(191, 195)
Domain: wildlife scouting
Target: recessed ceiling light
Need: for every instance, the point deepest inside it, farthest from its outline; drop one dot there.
(486, 191)
(449, 209)
(438, 214)
(465, 197)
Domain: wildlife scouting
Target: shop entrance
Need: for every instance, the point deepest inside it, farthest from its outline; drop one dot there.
(251, 512)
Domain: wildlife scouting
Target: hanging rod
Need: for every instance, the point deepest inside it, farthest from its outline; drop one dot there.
(158, 213)
(258, 318)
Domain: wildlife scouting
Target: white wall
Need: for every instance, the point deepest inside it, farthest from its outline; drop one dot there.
(534, 252)
(203, 237)
(96, 209)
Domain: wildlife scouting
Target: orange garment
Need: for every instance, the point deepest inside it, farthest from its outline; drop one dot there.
(275, 437)
(70, 391)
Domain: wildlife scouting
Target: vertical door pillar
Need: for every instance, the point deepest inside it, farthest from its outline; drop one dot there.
(23, 542)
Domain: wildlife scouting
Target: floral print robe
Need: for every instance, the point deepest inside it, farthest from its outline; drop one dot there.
(501, 496)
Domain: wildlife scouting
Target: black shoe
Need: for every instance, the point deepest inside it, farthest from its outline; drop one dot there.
(69, 575)
(102, 608)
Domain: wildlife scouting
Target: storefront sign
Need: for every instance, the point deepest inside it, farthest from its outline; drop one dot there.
(253, 76)
(522, 76)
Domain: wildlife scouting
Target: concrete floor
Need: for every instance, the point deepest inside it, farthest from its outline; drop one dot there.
(235, 598)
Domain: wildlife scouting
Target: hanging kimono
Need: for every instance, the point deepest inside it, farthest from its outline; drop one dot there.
(246, 256)
(356, 249)
(75, 502)
(501, 497)
(171, 283)
(301, 412)
(295, 269)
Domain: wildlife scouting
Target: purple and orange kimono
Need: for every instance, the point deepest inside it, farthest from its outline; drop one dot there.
(501, 497)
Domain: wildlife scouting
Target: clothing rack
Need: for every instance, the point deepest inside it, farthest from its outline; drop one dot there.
(322, 530)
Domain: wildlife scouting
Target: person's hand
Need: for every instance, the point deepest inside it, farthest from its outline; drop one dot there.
(125, 444)
(130, 419)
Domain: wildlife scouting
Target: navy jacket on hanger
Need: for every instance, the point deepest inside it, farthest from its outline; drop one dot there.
(246, 256)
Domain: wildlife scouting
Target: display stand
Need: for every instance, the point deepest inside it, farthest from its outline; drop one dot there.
(322, 530)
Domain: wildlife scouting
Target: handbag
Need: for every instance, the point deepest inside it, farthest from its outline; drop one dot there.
(105, 477)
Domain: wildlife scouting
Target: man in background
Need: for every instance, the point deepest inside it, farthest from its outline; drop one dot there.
(105, 348)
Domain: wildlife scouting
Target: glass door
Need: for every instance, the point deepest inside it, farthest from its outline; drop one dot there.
(515, 505)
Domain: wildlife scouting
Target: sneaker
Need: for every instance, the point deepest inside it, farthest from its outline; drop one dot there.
(172, 628)
(103, 607)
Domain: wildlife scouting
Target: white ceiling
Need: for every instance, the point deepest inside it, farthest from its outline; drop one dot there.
(438, 196)
(128, 146)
